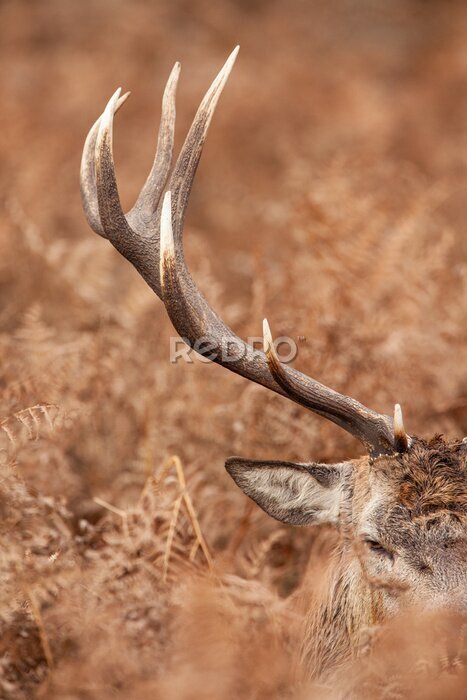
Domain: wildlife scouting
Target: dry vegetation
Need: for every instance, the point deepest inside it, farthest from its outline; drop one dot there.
(331, 198)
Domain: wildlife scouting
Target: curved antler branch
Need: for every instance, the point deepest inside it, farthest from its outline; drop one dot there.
(193, 319)
(375, 430)
(150, 237)
(136, 234)
(148, 200)
(88, 174)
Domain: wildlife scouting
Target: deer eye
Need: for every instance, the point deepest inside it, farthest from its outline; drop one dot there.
(378, 548)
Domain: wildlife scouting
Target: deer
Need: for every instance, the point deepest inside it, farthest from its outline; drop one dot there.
(402, 508)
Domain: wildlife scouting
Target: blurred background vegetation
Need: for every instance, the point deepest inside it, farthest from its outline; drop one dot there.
(331, 198)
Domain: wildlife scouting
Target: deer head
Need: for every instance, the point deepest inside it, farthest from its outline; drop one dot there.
(405, 505)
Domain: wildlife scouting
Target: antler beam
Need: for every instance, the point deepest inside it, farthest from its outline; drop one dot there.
(150, 237)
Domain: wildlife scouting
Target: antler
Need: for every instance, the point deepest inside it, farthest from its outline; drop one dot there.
(150, 237)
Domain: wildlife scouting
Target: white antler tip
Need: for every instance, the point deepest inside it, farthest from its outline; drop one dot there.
(167, 240)
(228, 65)
(114, 99)
(104, 135)
(167, 252)
(174, 76)
(267, 337)
(402, 440)
(399, 429)
(106, 119)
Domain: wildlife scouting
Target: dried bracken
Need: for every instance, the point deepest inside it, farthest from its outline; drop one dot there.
(105, 589)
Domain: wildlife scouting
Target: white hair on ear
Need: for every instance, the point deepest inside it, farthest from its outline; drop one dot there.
(290, 493)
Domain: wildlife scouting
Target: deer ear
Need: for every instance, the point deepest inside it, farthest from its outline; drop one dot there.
(298, 494)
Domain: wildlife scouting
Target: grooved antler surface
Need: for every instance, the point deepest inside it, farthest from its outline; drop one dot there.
(138, 237)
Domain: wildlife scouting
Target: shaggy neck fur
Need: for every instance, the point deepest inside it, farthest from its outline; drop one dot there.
(424, 484)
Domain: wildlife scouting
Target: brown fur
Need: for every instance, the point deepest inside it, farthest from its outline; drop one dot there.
(434, 477)
(421, 519)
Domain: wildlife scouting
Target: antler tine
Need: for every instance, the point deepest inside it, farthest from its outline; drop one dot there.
(375, 430)
(88, 174)
(401, 439)
(135, 235)
(189, 311)
(149, 197)
(181, 180)
(113, 219)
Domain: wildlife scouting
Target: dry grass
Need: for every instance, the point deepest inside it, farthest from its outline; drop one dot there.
(331, 198)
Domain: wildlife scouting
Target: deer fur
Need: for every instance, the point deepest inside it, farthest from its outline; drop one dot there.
(402, 524)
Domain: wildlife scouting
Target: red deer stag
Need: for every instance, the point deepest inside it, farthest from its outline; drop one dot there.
(406, 502)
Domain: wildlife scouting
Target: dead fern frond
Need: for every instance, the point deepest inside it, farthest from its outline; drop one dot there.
(29, 424)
